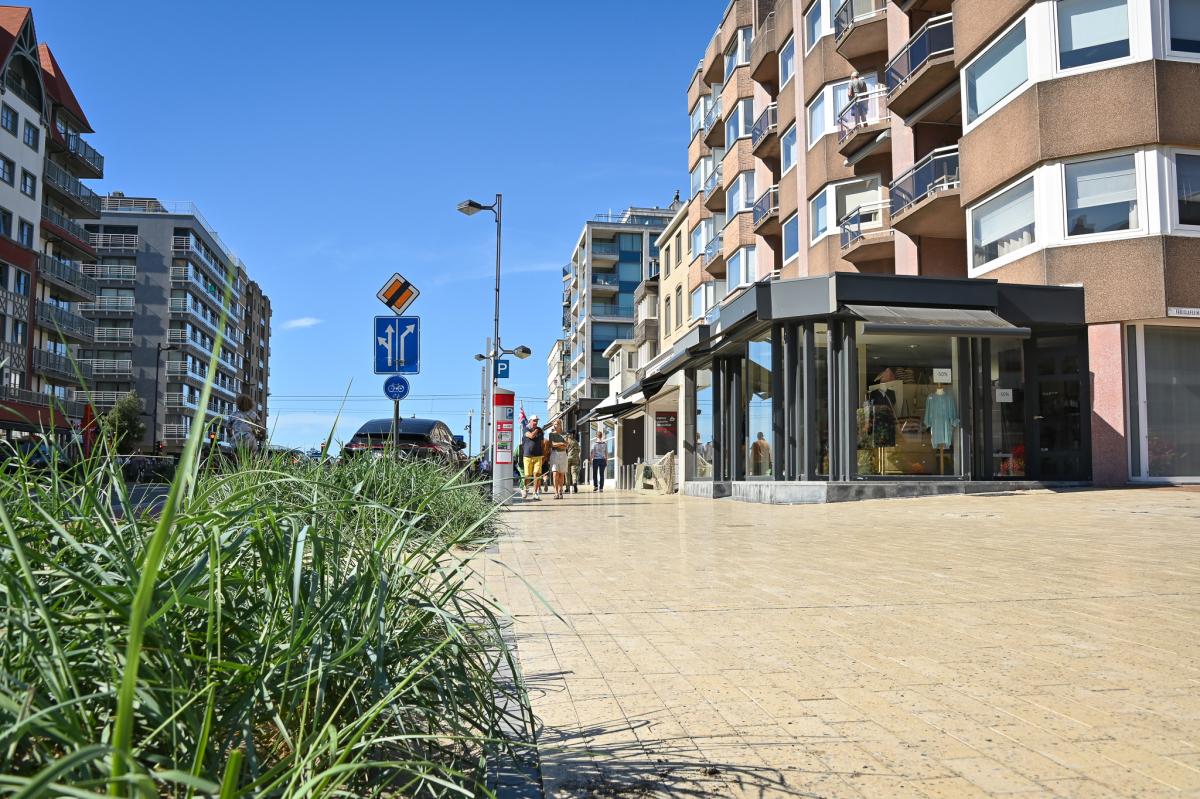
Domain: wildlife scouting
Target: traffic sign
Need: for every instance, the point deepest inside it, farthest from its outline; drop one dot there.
(502, 369)
(397, 345)
(396, 387)
(398, 293)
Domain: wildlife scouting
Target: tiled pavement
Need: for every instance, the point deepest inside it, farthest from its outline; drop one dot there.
(1033, 645)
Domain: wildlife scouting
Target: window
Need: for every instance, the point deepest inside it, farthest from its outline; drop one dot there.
(31, 134)
(1003, 224)
(666, 314)
(678, 306)
(845, 197)
(25, 233)
(18, 332)
(3, 277)
(698, 240)
(1091, 31)
(740, 269)
(738, 52)
(740, 196)
(1001, 70)
(8, 170)
(817, 116)
(28, 184)
(8, 118)
(697, 303)
(20, 276)
(678, 248)
(1184, 21)
(1101, 195)
(697, 117)
(739, 122)
(787, 61)
(791, 238)
(818, 214)
(788, 148)
(814, 25)
(1187, 188)
(6, 220)
(697, 178)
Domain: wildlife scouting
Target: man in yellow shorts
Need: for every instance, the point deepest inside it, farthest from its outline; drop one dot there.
(533, 449)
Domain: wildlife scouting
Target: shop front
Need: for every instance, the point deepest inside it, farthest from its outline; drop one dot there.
(853, 386)
(1163, 398)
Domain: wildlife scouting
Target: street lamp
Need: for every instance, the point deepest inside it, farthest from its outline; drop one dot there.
(160, 348)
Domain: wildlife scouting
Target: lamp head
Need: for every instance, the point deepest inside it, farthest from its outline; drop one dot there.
(522, 352)
(480, 357)
(470, 207)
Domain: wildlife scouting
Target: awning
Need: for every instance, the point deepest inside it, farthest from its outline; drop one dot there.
(934, 321)
(606, 411)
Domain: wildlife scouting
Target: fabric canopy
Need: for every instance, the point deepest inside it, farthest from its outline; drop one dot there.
(931, 321)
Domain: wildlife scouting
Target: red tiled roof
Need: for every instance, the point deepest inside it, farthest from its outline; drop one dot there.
(12, 19)
(58, 88)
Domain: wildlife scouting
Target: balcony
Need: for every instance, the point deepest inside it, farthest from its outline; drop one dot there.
(27, 397)
(177, 399)
(115, 241)
(175, 432)
(866, 235)
(100, 399)
(67, 231)
(102, 367)
(83, 157)
(714, 198)
(71, 191)
(714, 131)
(766, 213)
(923, 69)
(652, 269)
(764, 136)
(114, 335)
(59, 367)
(123, 306)
(70, 325)
(613, 310)
(645, 330)
(925, 199)
(123, 273)
(606, 282)
(714, 254)
(860, 28)
(604, 250)
(764, 53)
(68, 276)
(861, 122)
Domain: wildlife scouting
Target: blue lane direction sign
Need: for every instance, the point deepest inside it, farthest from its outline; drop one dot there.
(397, 345)
(396, 387)
(502, 369)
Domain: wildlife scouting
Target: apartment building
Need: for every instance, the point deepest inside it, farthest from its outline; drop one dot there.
(43, 161)
(166, 281)
(557, 364)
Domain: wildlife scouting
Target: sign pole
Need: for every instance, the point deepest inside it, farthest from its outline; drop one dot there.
(396, 428)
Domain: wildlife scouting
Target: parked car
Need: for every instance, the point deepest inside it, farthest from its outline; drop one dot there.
(419, 438)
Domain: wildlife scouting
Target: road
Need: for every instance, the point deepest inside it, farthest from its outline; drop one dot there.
(1039, 645)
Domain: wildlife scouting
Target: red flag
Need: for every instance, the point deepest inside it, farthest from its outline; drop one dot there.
(524, 420)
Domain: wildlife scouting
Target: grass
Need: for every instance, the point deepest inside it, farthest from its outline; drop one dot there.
(276, 630)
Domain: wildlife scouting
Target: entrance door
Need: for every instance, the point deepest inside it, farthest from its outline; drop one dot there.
(1059, 405)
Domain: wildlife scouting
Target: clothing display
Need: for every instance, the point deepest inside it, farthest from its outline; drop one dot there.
(941, 417)
(882, 418)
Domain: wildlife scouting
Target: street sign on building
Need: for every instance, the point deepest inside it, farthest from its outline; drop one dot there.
(396, 388)
(398, 293)
(397, 345)
(502, 369)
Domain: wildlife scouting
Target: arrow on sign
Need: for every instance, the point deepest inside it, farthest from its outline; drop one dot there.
(386, 343)
(407, 331)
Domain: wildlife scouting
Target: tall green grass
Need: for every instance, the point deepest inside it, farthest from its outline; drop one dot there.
(273, 630)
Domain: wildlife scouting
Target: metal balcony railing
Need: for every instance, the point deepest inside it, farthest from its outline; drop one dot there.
(766, 124)
(861, 111)
(67, 272)
(713, 117)
(713, 182)
(175, 432)
(868, 216)
(937, 171)
(16, 87)
(110, 271)
(103, 367)
(69, 226)
(934, 38)
(852, 11)
(714, 248)
(100, 399)
(115, 241)
(55, 318)
(766, 205)
(24, 395)
(82, 149)
(109, 304)
(114, 335)
(59, 365)
(70, 185)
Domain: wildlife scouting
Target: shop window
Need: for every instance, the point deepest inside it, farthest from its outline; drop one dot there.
(1184, 21)
(820, 398)
(1173, 401)
(1003, 224)
(1008, 408)
(1001, 70)
(1187, 188)
(759, 421)
(702, 426)
(1101, 195)
(1091, 31)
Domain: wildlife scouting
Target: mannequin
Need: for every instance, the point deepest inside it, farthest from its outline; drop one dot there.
(941, 417)
(882, 407)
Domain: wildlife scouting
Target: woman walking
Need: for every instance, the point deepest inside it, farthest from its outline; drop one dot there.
(558, 458)
(599, 461)
(573, 463)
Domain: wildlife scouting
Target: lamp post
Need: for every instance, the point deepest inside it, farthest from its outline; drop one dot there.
(160, 348)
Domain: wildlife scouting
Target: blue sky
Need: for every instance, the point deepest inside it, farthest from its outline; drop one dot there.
(329, 144)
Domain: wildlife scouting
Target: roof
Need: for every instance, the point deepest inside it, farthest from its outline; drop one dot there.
(58, 88)
(12, 20)
(412, 427)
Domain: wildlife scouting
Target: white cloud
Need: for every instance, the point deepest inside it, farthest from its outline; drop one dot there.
(302, 322)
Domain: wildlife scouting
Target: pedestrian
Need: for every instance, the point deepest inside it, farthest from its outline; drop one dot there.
(760, 456)
(532, 451)
(858, 97)
(244, 427)
(573, 463)
(558, 458)
(599, 461)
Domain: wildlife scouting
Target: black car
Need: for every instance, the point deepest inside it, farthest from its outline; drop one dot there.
(419, 438)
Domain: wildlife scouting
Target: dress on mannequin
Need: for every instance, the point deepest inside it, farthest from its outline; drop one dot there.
(941, 417)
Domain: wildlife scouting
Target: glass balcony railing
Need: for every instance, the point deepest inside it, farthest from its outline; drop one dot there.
(604, 248)
(767, 205)
(713, 182)
(713, 117)
(602, 279)
(767, 123)
(865, 217)
(714, 248)
(937, 171)
(935, 38)
(612, 309)
(852, 11)
(862, 111)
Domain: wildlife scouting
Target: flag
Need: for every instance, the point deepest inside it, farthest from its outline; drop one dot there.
(524, 419)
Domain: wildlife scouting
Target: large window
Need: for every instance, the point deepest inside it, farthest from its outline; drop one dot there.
(1003, 224)
(1101, 195)
(818, 118)
(697, 303)
(740, 269)
(787, 147)
(697, 179)
(818, 215)
(837, 200)
(791, 237)
(1184, 21)
(1173, 401)
(698, 240)
(815, 25)
(740, 196)
(739, 51)
(1001, 70)
(696, 118)
(1091, 31)
(739, 122)
(823, 111)
(702, 426)
(1187, 188)
(787, 61)
(759, 418)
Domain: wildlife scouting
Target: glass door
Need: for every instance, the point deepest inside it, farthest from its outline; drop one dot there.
(1059, 429)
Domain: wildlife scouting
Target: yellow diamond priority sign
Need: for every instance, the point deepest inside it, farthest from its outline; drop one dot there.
(398, 293)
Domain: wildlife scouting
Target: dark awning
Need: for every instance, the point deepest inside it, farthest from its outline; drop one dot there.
(606, 411)
(934, 321)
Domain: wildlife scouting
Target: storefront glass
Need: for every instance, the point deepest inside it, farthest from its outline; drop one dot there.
(1173, 401)
(907, 413)
(702, 425)
(821, 396)
(759, 427)
(1008, 408)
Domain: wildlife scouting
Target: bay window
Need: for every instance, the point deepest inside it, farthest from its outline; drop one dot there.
(997, 73)
(837, 200)
(739, 122)
(697, 303)
(696, 181)
(787, 146)
(1003, 224)
(740, 196)
(1187, 188)
(738, 53)
(825, 108)
(1091, 31)
(740, 269)
(696, 119)
(787, 61)
(817, 114)
(815, 25)
(1101, 195)
(791, 237)
(1184, 22)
